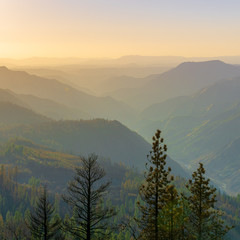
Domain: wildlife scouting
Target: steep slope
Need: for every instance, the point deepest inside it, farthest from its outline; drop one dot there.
(224, 166)
(8, 96)
(47, 165)
(37, 164)
(51, 108)
(11, 114)
(215, 133)
(203, 127)
(191, 138)
(209, 101)
(183, 117)
(24, 83)
(109, 139)
(185, 79)
(42, 106)
(213, 142)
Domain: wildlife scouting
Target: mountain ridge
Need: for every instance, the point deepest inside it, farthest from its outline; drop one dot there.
(182, 80)
(109, 139)
(23, 83)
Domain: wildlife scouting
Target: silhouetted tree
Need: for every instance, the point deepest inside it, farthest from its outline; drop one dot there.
(203, 218)
(153, 191)
(86, 193)
(42, 222)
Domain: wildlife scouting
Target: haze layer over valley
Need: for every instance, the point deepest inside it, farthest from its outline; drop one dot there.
(195, 104)
(119, 120)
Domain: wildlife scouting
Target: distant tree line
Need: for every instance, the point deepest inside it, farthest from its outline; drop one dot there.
(162, 212)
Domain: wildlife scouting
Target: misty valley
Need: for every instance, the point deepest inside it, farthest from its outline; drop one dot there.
(120, 149)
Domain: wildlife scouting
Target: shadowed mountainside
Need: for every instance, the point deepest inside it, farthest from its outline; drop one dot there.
(12, 114)
(109, 139)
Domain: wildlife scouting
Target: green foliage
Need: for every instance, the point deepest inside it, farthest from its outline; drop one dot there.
(14, 227)
(172, 220)
(174, 211)
(153, 191)
(42, 223)
(205, 221)
(97, 135)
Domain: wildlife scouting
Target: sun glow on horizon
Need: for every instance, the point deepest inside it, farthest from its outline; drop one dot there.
(110, 29)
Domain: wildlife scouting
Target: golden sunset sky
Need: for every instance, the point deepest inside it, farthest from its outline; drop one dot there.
(113, 28)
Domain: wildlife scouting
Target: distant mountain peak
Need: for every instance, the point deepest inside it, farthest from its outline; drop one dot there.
(203, 63)
(3, 68)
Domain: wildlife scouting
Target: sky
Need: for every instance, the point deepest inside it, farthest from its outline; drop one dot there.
(113, 28)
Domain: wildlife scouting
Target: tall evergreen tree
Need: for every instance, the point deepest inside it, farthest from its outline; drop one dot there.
(203, 218)
(153, 191)
(86, 193)
(42, 223)
(172, 216)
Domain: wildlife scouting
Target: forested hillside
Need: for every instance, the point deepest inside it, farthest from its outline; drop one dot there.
(23, 159)
(205, 125)
(119, 120)
(108, 139)
(39, 146)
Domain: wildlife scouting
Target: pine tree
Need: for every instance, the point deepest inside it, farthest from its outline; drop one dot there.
(154, 192)
(42, 224)
(201, 203)
(86, 193)
(171, 217)
(218, 228)
(184, 223)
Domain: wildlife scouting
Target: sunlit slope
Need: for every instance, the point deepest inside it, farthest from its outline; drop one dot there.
(200, 123)
(203, 126)
(24, 83)
(47, 165)
(55, 168)
(191, 140)
(207, 102)
(224, 166)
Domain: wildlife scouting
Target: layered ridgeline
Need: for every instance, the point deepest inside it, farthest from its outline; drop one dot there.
(108, 139)
(43, 106)
(24, 83)
(202, 126)
(13, 114)
(183, 80)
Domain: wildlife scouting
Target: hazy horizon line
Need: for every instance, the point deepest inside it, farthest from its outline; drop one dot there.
(113, 58)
